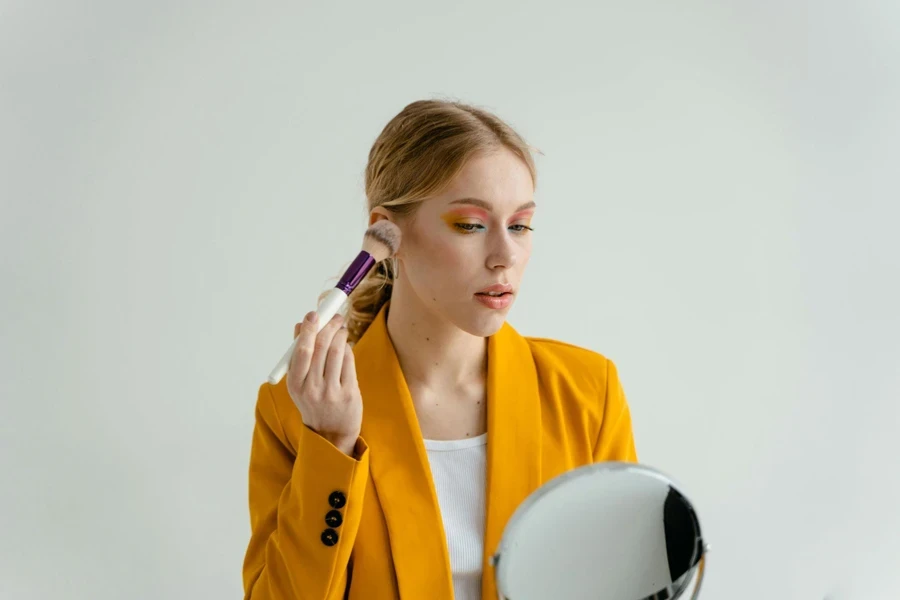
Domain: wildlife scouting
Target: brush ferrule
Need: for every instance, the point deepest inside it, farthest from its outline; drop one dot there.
(355, 273)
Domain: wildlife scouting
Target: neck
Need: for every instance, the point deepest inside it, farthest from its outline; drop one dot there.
(434, 354)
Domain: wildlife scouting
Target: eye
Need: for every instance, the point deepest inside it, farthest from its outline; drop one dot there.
(523, 228)
(473, 227)
(468, 227)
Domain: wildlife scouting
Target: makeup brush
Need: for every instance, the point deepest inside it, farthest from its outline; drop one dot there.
(380, 242)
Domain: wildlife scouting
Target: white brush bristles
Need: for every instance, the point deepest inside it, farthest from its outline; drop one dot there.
(382, 240)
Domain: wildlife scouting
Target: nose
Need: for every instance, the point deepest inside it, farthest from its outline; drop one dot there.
(503, 252)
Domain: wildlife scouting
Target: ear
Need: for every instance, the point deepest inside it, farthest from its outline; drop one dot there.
(377, 214)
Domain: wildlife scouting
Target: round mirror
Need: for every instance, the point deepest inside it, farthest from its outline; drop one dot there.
(610, 531)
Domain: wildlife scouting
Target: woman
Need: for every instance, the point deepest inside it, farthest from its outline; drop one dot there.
(463, 416)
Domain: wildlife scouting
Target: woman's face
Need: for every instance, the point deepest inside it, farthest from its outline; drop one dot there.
(473, 235)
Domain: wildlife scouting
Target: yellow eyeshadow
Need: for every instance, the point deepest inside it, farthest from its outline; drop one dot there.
(451, 220)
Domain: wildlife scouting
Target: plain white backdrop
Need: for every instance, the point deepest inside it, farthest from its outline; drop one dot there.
(718, 211)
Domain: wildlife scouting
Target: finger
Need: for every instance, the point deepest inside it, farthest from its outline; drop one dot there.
(348, 370)
(334, 362)
(321, 344)
(297, 329)
(303, 351)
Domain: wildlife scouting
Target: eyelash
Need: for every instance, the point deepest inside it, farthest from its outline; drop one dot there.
(465, 227)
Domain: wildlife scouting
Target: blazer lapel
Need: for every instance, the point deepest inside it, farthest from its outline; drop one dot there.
(514, 438)
(399, 465)
(399, 468)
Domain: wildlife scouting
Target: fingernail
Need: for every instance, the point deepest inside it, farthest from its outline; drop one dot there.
(311, 317)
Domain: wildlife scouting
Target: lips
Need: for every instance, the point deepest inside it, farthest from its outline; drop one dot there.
(497, 289)
(495, 302)
(496, 296)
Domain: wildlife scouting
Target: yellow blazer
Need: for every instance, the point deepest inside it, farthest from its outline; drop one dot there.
(329, 526)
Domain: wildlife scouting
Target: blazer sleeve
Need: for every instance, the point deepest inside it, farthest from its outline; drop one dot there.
(305, 509)
(615, 441)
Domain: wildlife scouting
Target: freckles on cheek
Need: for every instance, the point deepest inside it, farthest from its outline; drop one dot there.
(443, 257)
(447, 265)
(447, 254)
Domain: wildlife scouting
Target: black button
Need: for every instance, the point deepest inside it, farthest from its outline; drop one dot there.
(337, 500)
(329, 537)
(334, 518)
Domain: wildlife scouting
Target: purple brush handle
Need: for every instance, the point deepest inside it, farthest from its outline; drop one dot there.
(355, 272)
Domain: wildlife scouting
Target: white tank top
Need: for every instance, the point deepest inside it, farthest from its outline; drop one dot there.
(458, 470)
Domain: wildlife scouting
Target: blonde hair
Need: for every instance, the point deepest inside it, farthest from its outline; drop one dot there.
(417, 154)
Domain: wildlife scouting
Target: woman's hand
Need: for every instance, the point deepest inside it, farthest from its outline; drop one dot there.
(321, 380)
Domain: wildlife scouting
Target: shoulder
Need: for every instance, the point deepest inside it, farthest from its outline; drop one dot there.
(583, 374)
(565, 359)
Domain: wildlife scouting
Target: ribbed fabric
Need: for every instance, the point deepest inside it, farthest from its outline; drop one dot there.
(458, 469)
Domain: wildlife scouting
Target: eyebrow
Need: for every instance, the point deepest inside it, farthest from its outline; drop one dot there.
(487, 206)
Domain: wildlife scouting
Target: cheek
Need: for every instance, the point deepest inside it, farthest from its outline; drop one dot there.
(449, 261)
(441, 262)
(526, 252)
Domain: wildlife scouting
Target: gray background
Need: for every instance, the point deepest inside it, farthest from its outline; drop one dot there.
(718, 209)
